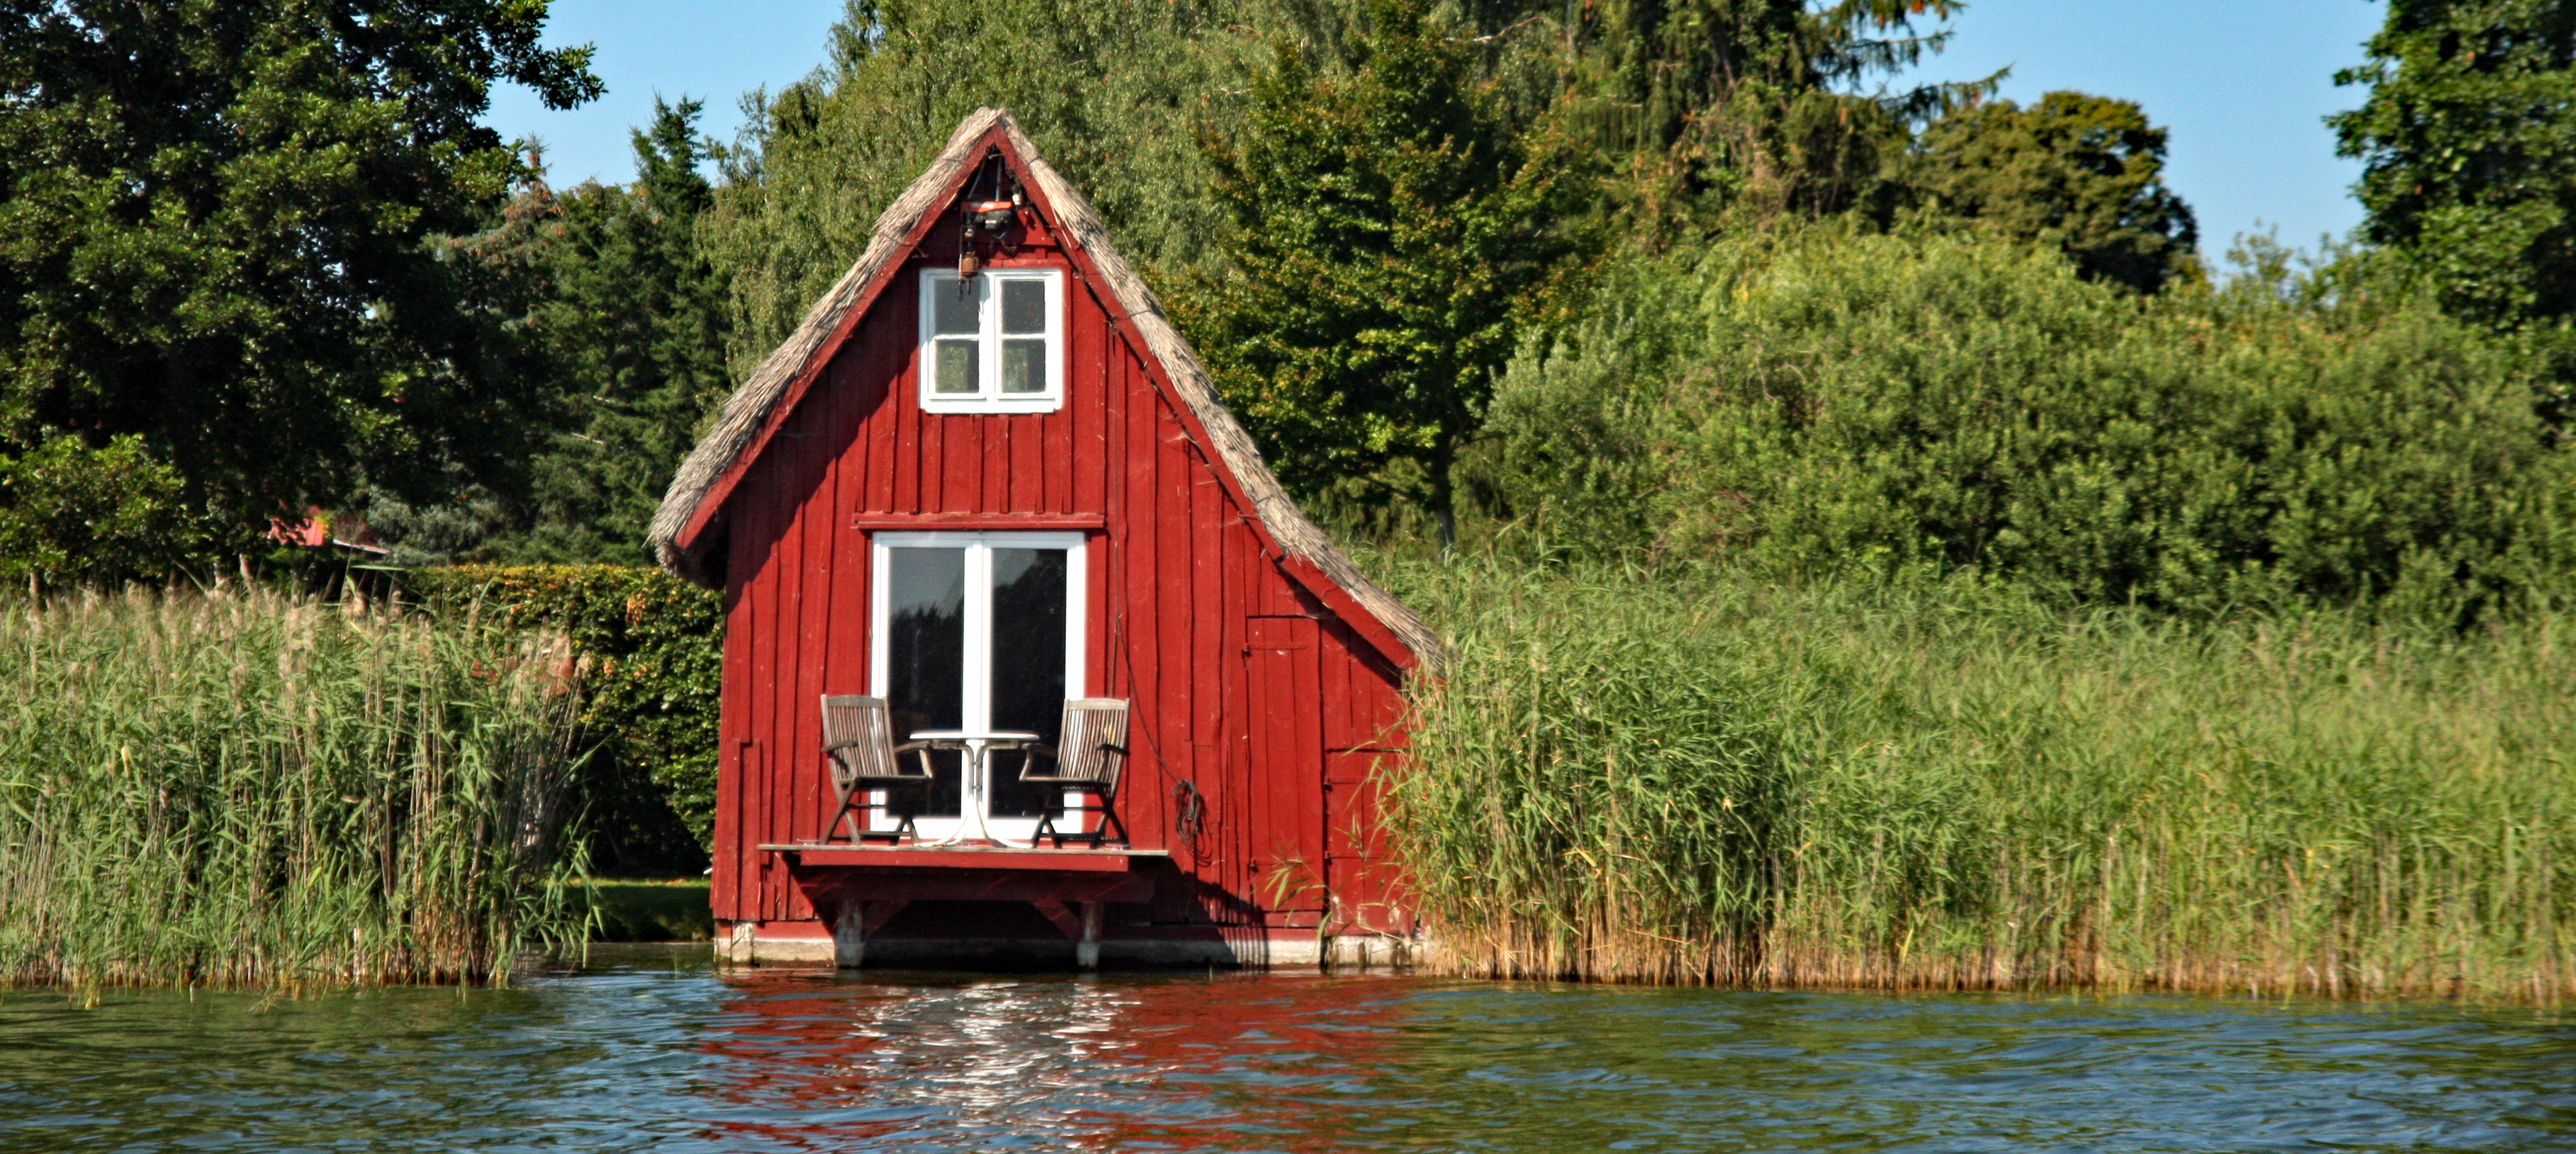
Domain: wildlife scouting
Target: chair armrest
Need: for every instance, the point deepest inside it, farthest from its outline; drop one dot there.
(1029, 756)
(920, 749)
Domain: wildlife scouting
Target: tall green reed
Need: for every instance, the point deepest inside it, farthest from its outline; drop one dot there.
(1719, 779)
(247, 788)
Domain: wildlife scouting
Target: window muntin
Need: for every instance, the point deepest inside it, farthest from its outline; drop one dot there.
(997, 347)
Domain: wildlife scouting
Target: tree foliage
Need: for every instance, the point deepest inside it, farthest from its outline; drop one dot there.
(1388, 231)
(606, 287)
(2468, 141)
(636, 320)
(1836, 402)
(2082, 174)
(70, 514)
(1706, 106)
(220, 235)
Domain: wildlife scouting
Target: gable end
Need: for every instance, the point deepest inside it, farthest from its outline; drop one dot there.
(689, 522)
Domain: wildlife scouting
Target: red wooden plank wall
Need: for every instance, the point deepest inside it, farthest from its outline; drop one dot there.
(1242, 685)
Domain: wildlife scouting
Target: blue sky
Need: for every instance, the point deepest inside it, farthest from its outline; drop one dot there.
(702, 48)
(2242, 85)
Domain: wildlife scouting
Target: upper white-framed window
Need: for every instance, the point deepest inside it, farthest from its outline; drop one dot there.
(997, 346)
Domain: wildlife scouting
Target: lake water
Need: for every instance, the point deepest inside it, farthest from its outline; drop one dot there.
(653, 1050)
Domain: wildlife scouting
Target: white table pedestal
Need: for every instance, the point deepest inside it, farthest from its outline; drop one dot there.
(975, 784)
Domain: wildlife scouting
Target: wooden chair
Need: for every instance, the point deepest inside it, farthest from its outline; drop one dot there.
(858, 739)
(1088, 757)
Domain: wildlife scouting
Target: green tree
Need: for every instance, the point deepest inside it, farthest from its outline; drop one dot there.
(1108, 89)
(637, 320)
(1711, 106)
(633, 317)
(70, 513)
(1814, 401)
(1388, 236)
(607, 287)
(220, 235)
(2468, 145)
(2083, 174)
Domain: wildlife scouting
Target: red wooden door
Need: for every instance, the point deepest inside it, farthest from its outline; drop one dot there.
(1287, 787)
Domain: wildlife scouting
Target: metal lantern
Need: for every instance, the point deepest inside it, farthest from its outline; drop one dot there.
(990, 219)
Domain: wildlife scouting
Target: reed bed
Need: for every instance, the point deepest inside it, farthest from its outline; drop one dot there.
(254, 789)
(1717, 780)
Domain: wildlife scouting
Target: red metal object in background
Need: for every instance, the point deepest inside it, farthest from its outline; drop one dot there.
(321, 529)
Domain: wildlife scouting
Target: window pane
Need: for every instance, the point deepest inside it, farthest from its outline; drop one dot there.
(925, 655)
(1024, 366)
(958, 368)
(953, 312)
(1024, 306)
(1028, 666)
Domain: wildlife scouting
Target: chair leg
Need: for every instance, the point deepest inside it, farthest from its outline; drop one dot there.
(1107, 809)
(860, 833)
(838, 816)
(1109, 821)
(904, 825)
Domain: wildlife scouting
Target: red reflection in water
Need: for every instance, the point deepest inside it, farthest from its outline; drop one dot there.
(1274, 1062)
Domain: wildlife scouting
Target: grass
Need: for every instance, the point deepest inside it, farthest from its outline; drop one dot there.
(1714, 779)
(238, 789)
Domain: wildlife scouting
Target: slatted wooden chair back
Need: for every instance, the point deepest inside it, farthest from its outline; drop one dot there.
(858, 741)
(1094, 743)
(858, 735)
(1089, 757)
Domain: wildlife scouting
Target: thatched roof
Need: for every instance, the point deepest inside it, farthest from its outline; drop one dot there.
(681, 528)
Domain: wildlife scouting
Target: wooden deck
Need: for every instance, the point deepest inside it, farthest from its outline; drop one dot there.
(1014, 858)
(973, 873)
(870, 884)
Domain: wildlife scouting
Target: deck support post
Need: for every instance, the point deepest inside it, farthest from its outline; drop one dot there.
(1086, 954)
(852, 926)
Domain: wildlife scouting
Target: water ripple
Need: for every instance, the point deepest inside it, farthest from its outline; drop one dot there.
(657, 1052)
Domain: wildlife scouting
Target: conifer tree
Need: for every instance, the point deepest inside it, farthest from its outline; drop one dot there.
(636, 316)
(1388, 235)
(608, 291)
(2083, 174)
(1713, 107)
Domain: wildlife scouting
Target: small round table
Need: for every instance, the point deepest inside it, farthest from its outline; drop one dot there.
(975, 788)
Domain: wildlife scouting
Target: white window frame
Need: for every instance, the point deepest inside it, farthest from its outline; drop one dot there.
(988, 396)
(976, 711)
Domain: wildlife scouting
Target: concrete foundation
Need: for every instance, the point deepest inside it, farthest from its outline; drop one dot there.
(813, 944)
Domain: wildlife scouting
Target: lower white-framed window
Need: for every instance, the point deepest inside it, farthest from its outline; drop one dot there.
(994, 346)
(979, 632)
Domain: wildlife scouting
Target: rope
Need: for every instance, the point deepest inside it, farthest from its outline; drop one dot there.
(1189, 815)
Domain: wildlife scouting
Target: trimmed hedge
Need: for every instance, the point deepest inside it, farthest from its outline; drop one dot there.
(655, 646)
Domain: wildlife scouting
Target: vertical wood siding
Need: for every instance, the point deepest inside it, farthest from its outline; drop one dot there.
(1242, 684)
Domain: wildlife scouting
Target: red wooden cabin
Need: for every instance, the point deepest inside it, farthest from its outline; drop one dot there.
(979, 501)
